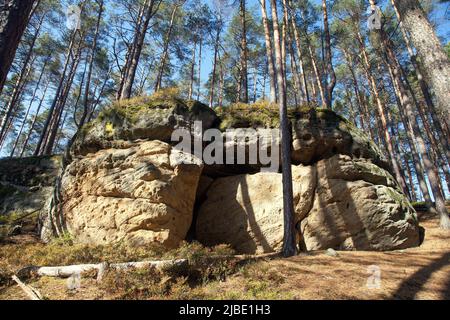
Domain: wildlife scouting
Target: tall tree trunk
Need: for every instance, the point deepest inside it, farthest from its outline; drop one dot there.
(43, 137)
(124, 71)
(362, 106)
(289, 242)
(192, 77)
(14, 16)
(52, 133)
(33, 123)
(19, 134)
(22, 76)
(244, 52)
(199, 79)
(330, 76)
(214, 71)
(165, 53)
(421, 79)
(381, 110)
(300, 55)
(436, 64)
(137, 50)
(269, 53)
(14, 102)
(91, 65)
(316, 73)
(221, 83)
(431, 171)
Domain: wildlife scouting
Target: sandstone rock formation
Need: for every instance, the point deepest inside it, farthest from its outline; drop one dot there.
(340, 203)
(140, 194)
(126, 182)
(140, 118)
(246, 211)
(26, 187)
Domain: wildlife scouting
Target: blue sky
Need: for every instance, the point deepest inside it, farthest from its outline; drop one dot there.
(440, 17)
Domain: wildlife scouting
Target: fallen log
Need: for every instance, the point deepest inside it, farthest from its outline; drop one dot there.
(31, 292)
(68, 271)
(100, 268)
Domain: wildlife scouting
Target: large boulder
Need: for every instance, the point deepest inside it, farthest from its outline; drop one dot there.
(340, 203)
(320, 134)
(26, 187)
(246, 211)
(141, 194)
(358, 206)
(316, 134)
(127, 182)
(148, 118)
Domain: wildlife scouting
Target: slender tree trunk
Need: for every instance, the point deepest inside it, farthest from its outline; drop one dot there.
(14, 16)
(437, 157)
(23, 73)
(199, 79)
(130, 51)
(317, 74)
(429, 50)
(214, 71)
(191, 81)
(381, 110)
(50, 142)
(165, 53)
(221, 83)
(289, 245)
(330, 76)
(14, 102)
(91, 65)
(57, 93)
(138, 45)
(33, 123)
(411, 182)
(421, 79)
(300, 55)
(269, 53)
(244, 53)
(362, 108)
(29, 107)
(431, 171)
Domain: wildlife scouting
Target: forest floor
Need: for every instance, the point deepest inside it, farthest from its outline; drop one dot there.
(417, 273)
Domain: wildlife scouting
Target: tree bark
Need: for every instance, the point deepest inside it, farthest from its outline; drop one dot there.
(22, 77)
(214, 71)
(381, 109)
(14, 17)
(91, 65)
(300, 55)
(165, 53)
(330, 76)
(191, 79)
(33, 123)
(244, 53)
(436, 64)
(289, 242)
(29, 107)
(138, 45)
(431, 171)
(269, 53)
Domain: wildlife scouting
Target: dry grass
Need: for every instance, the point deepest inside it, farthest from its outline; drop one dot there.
(417, 273)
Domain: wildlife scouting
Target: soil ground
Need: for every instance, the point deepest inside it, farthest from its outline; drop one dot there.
(417, 273)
